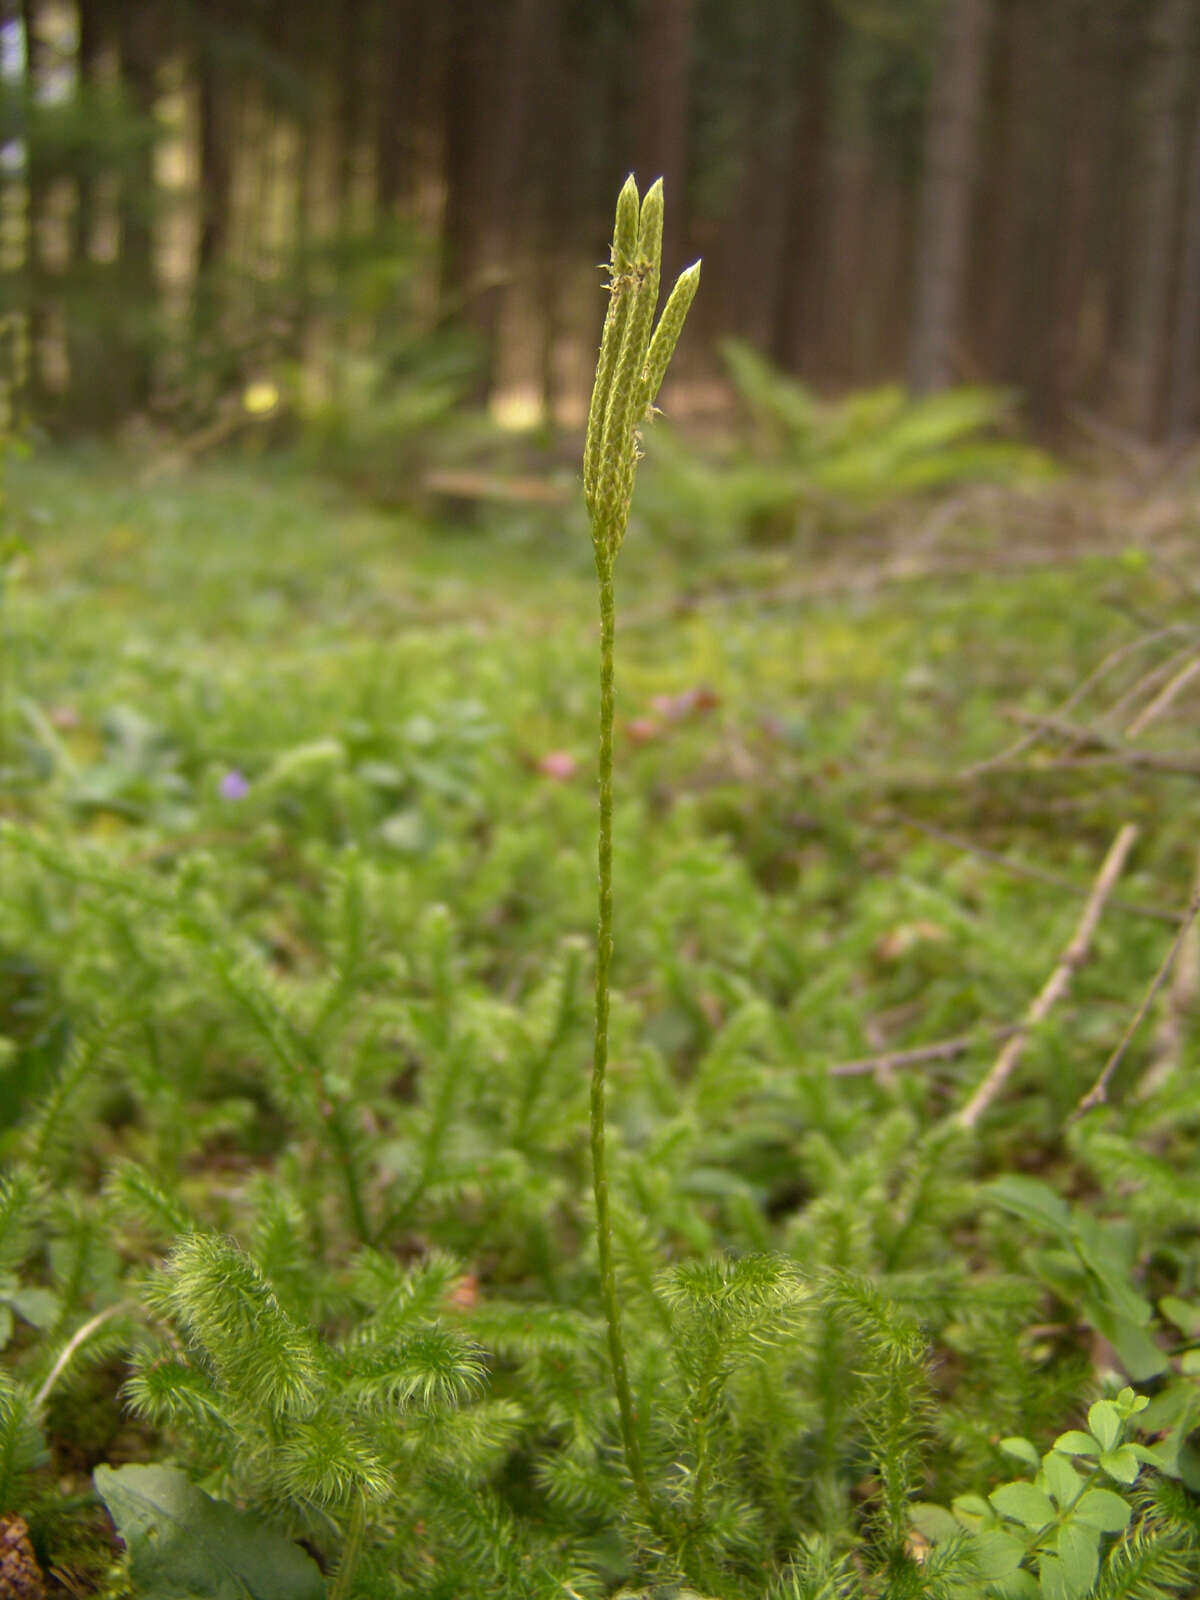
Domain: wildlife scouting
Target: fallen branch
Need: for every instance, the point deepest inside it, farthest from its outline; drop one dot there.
(1019, 869)
(1163, 699)
(1181, 998)
(1111, 660)
(1097, 1095)
(1114, 749)
(1059, 981)
(941, 1050)
(1144, 687)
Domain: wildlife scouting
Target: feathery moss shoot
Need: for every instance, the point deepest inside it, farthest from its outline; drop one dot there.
(634, 356)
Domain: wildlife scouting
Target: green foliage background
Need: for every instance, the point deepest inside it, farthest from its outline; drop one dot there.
(295, 1080)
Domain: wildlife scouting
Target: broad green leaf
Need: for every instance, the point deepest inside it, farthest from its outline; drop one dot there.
(1189, 1362)
(1139, 1354)
(39, 1307)
(1035, 1202)
(1185, 1317)
(1057, 1580)
(1107, 1249)
(997, 1553)
(1023, 1503)
(1075, 1443)
(1105, 1422)
(1019, 1585)
(972, 1510)
(183, 1545)
(1130, 1403)
(933, 1522)
(1122, 1464)
(1079, 1551)
(1101, 1508)
(1022, 1450)
(1061, 1480)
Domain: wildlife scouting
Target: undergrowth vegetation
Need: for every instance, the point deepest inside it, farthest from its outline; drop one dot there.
(298, 1265)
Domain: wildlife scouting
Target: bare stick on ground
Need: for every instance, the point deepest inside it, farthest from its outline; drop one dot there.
(1021, 869)
(916, 1055)
(1115, 751)
(1181, 999)
(1113, 659)
(1097, 1095)
(1163, 699)
(1059, 981)
(1147, 684)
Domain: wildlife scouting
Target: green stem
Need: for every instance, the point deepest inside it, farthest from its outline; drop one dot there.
(604, 942)
(339, 1589)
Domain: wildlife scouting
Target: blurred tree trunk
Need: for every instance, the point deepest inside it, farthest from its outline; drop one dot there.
(348, 60)
(757, 275)
(1003, 202)
(131, 372)
(399, 108)
(946, 193)
(487, 116)
(87, 327)
(1074, 195)
(800, 308)
(37, 187)
(216, 160)
(1182, 420)
(92, 25)
(470, 49)
(1165, 82)
(661, 150)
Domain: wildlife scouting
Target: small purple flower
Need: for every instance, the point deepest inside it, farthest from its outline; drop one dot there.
(233, 785)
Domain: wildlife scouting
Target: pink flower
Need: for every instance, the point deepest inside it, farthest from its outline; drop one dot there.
(674, 707)
(560, 765)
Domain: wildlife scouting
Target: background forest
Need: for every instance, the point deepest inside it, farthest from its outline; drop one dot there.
(1002, 193)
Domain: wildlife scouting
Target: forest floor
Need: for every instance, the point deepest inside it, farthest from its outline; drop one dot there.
(865, 792)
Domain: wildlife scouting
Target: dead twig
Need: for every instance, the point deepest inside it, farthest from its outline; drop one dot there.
(1115, 750)
(1149, 681)
(1059, 981)
(1020, 869)
(1163, 699)
(1097, 1095)
(940, 1050)
(1111, 660)
(1181, 998)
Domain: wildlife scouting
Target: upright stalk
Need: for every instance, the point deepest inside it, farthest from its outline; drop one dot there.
(604, 943)
(630, 370)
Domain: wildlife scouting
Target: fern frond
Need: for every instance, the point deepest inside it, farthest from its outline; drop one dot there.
(580, 1482)
(327, 1460)
(1152, 1562)
(20, 1209)
(224, 1307)
(169, 1393)
(133, 1194)
(898, 1419)
(472, 1442)
(507, 1560)
(432, 1367)
(22, 1447)
(817, 1572)
(396, 1296)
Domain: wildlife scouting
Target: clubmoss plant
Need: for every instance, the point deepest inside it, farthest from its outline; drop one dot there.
(633, 362)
